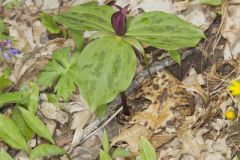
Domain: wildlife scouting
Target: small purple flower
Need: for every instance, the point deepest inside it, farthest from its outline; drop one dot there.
(13, 51)
(119, 20)
(6, 49)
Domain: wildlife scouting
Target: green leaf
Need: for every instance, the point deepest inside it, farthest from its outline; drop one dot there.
(105, 141)
(62, 69)
(164, 30)
(4, 83)
(10, 134)
(14, 97)
(45, 150)
(87, 18)
(121, 153)
(36, 124)
(77, 36)
(4, 155)
(175, 55)
(101, 111)
(106, 67)
(104, 155)
(212, 2)
(21, 124)
(135, 43)
(147, 152)
(49, 23)
(33, 98)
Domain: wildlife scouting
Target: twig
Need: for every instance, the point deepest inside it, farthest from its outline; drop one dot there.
(103, 125)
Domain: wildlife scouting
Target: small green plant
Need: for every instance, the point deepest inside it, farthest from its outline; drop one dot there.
(106, 66)
(20, 127)
(147, 152)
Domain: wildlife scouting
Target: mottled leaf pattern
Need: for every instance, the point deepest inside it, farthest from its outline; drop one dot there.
(105, 71)
(87, 18)
(164, 31)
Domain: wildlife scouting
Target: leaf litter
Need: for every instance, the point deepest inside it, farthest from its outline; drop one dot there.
(183, 119)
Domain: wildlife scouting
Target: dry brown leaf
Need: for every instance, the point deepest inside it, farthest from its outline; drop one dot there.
(80, 119)
(131, 136)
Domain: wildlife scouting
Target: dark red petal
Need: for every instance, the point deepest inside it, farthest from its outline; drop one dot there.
(119, 21)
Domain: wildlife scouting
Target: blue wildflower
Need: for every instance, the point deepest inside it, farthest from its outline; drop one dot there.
(7, 50)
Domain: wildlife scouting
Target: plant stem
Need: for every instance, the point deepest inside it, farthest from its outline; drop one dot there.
(124, 104)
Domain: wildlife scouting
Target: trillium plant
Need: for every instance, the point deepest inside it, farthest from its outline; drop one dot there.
(106, 66)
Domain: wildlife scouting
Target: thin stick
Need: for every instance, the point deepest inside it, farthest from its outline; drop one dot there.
(103, 125)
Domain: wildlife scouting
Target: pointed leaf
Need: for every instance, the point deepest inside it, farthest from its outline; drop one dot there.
(176, 56)
(147, 152)
(14, 97)
(164, 30)
(10, 134)
(105, 71)
(77, 36)
(62, 69)
(21, 124)
(49, 23)
(87, 18)
(105, 141)
(45, 150)
(33, 98)
(4, 155)
(36, 124)
(104, 155)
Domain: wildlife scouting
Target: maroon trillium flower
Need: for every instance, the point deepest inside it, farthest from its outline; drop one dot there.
(119, 20)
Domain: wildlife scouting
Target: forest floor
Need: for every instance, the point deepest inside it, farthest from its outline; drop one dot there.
(180, 109)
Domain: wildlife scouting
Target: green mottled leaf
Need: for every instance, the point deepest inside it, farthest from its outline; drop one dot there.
(212, 2)
(104, 155)
(10, 134)
(4, 155)
(36, 124)
(33, 98)
(105, 141)
(45, 150)
(62, 69)
(164, 30)
(147, 152)
(121, 153)
(87, 18)
(105, 71)
(49, 23)
(77, 36)
(21, 124)
(176, 56)
(101, 111)
(135, 43)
